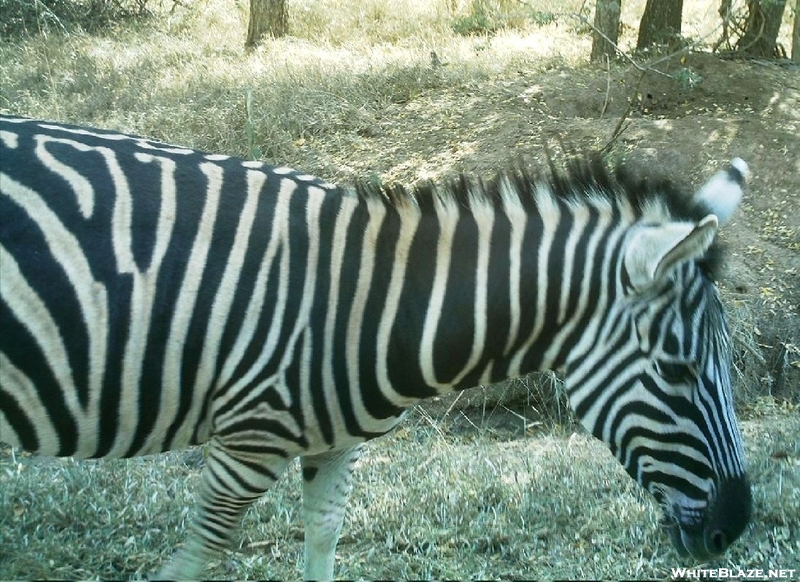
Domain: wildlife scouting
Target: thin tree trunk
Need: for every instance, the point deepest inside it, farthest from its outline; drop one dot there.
(661, 23)
(796, 33)
(606, 20)
(725, 13)
(267, 18)
(763, 23)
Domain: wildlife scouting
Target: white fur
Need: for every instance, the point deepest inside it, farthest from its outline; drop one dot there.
(723, 193)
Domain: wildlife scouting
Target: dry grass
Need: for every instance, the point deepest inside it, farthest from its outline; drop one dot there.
(301, 90)
(509, 489)
(766, 353)
(344, 64)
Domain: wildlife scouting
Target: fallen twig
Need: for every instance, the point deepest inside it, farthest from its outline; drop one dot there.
(608, 87)
(619, 129)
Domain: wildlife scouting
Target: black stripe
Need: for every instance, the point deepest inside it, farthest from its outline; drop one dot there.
(452, 343)
(406, 336)
(376, 404)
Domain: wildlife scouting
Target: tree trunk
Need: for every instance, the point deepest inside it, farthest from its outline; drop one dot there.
(796, 33)
(725, 13)
(763, 23)
(661, 23)
(606, 21)
(267, 18)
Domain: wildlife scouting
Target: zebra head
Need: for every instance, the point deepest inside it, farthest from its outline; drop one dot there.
(656, 386)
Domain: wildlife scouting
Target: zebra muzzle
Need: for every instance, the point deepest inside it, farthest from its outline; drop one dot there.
(726, 519)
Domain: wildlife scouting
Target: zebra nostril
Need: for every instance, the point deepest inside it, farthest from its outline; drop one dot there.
(717, 542)
(730, 514)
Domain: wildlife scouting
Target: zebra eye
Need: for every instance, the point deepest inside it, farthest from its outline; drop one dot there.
(674, 372)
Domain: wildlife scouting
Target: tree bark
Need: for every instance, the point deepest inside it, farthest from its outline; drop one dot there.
(796, 33)
(661, 23)
(267, 18)
(606, 20)
(763, 24)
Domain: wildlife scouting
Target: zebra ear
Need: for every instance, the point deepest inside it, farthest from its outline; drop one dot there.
(653, 251)
(723, 192)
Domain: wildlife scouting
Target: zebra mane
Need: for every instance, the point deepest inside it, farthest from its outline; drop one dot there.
(582, 178)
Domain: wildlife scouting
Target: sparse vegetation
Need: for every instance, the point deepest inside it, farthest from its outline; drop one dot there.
(511, 488)
(19, 18)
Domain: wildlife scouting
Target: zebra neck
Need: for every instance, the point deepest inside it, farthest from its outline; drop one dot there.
(474, 295)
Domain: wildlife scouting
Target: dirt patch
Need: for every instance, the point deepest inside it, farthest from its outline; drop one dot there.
(684, 126)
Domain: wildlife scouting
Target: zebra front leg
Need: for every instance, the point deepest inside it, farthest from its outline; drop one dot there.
(327, 480)
(230, 482)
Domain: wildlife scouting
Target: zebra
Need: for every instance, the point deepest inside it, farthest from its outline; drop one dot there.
(154, 297)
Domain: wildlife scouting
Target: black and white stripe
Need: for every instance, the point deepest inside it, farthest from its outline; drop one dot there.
(155, 297)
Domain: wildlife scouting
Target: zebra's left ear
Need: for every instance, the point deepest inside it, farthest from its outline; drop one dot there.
(653, 251)
(723, 192)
